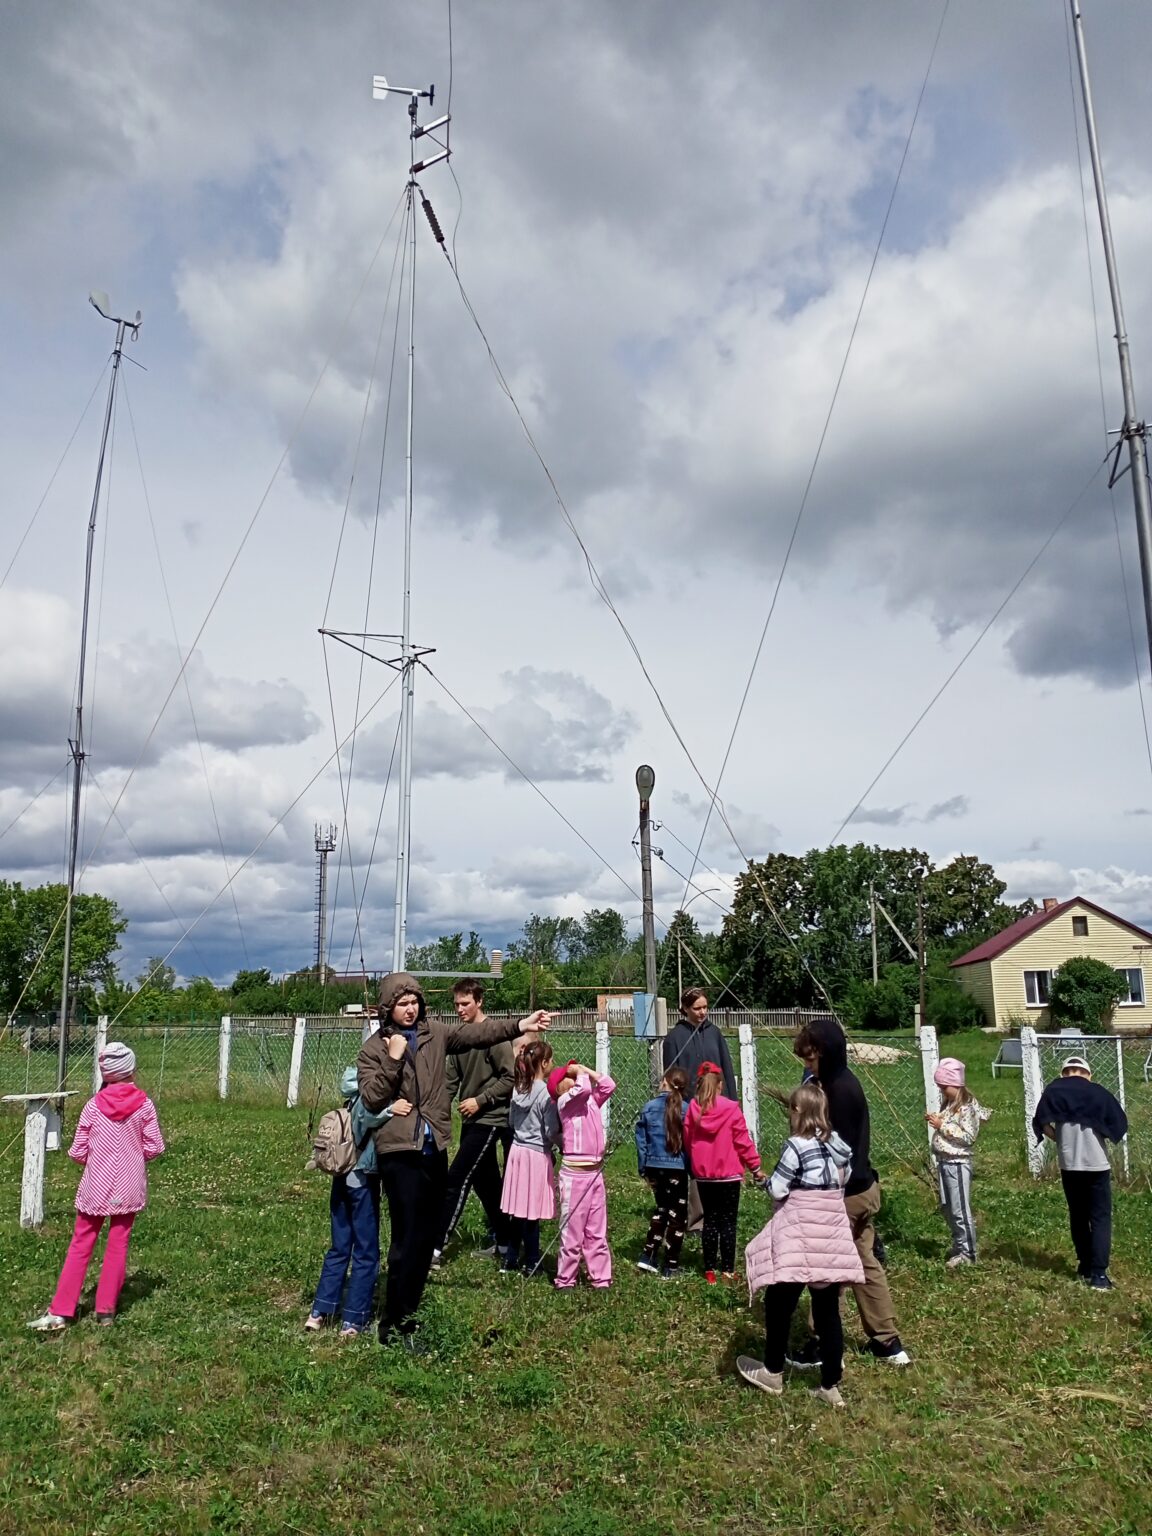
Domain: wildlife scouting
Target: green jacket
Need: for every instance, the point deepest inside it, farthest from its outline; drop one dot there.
(486, 1075)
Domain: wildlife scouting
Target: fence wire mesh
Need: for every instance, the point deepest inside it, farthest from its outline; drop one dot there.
(1124, 1067)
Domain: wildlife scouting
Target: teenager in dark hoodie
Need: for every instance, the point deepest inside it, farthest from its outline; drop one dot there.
(692, 1041)
(822, 1047)
(1081, 1116)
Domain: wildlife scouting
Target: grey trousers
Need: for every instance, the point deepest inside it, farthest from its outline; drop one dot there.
(956, 1201)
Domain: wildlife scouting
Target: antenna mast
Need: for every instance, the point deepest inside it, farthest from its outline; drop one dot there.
(1133, 431)
(325, 843)
(102, 305)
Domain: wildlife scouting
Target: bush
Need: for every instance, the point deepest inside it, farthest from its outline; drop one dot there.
(950, 1009)
(1083, 995)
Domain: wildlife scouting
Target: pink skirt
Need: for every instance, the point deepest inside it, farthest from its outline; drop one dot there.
(529, 1187)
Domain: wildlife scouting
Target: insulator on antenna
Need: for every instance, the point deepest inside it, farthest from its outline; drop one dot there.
(433, 221)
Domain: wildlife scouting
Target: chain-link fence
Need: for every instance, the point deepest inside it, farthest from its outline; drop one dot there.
(1122, 1065)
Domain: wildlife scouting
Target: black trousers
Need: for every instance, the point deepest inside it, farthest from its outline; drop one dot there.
(779, 1305)
(413, 1184)
(721, 1201)
(475, 1167)
(1089, 1197)
(670, 1218)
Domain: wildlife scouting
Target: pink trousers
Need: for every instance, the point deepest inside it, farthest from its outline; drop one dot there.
(583, 1229)
(76, 1260)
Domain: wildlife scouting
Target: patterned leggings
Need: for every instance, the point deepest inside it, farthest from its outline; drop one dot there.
(721, 1201)
(670, 1218)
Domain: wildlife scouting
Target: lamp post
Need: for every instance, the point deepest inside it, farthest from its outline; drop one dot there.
(711, 891)
(645, 784)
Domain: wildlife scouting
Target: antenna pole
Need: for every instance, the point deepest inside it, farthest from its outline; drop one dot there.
(407, 660)
(1133, 430)
(76, 743)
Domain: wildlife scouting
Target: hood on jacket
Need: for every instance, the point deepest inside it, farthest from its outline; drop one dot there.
(119, 1100)
(392, 989)
(833, 1047)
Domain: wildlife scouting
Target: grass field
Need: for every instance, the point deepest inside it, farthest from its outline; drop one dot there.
(206, 1409)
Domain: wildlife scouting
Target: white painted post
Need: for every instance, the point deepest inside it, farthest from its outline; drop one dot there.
(98, 1045)
(749, 1084)
(225, 1053)
(1121, 1096)
(604, 1064)
(41, 1131)
(1033, 1088)
(296, 1062)
(929, 1061)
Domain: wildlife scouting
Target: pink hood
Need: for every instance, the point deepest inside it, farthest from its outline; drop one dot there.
(119, 1100)
(807, 1242)
(719, 1144)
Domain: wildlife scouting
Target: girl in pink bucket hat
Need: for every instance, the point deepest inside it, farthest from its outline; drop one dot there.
(955, 1127)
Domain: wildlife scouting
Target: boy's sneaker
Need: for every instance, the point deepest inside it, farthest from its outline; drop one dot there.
(648, 1264)
(1101, 1282)
(670, 1272)
(757, 1374)
(957, 1260)
(437, 1255)
(709, 1277)
(490, 1250)
(829, 1395)
(48, 1323)
(508, 1265)
(807, 1357)
(892, 1353)
(879, 1249)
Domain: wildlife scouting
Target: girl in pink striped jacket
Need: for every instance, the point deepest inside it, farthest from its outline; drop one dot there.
(117, 1135)
(808, 1242)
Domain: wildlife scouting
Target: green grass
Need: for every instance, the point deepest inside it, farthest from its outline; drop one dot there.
(587, 1414)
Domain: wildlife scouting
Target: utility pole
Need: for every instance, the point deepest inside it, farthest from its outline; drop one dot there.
(920, 948)
(1133, 430)
(645, 784)
(872, 910)
(101, 304)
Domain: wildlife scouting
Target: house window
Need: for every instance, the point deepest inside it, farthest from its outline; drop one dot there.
(1134, 976)
(1079, 927)
(1036, 988)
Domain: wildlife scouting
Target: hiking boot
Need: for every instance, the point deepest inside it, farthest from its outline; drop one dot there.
(829, 1395)
(806, 1358)
(757, 1374)
(892, 1353)
(48, 1323)
(647, 1263)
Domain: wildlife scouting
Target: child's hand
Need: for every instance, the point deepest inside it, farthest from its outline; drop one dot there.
(401, 1107)
(934, 1121)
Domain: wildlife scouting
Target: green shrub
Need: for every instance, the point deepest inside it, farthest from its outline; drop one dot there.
(1084, 994)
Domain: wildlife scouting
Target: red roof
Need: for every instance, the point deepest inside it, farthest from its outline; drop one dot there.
(1011, 935)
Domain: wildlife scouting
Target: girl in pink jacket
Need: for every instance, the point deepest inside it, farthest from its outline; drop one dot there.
(579, 1093)
(719, 1148)
(117, 1134)
(808, 1242)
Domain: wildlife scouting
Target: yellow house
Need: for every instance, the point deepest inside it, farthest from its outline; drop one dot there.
(1009, 974)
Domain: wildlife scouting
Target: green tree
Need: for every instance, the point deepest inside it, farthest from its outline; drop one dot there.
(157, 975)
(1083, 995)
(449, 952)
(32, 946)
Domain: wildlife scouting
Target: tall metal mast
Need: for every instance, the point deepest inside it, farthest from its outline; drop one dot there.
(1133, 429)
(99, 302)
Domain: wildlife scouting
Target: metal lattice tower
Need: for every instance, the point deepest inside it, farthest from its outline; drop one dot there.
(325, 843)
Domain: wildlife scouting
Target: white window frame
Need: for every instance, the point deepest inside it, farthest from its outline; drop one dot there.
(1028, 1003)
(1132, 1002)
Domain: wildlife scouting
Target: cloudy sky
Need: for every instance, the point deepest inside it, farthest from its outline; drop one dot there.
(664, 218)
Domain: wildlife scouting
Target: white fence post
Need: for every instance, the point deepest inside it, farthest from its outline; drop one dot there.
(41, 1135)
(749, 1085)
(296, 1062)
(929, 1061)
(98, 1045)
(225, 1053)
(604, 1064)
(1033, 1088)
(1120, 1094)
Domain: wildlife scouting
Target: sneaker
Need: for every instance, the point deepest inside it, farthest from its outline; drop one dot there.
(957, 1260)
(314, 1322)
(349, 1331)
(490, 1250)
(879, 1249)
(670, 1272)
(437, 1255)
(48, 1323)
(730, 1276)
(806, 1358)
(105, 1319)
(648, 1264)
(710, 1277)
(892, 1353)
(508, 1266)
(1101, 1282)
(757, 1374)
(829, 1395)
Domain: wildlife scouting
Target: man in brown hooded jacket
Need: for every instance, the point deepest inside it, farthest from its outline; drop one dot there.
(406, 1060)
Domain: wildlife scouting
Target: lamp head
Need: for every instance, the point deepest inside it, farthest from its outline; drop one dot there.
(645, 781)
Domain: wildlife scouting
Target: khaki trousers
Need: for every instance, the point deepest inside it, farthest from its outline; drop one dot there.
(873, 1298)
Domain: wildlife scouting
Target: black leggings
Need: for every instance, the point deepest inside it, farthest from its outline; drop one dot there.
(779, 1305)
(670, 1218)
(413, 1184)
(721, 1201)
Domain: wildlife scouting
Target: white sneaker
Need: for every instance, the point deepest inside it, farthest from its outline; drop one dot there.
(957, 1260)
(437, 1255)
(758, 1375)
(829, 1395)
(48, 1323)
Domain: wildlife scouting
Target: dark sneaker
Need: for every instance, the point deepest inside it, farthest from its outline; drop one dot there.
(892, 1353)
(437, 1255)
(670, 1272)
(806, 1358)
(1101, 1282)
(508, 1266)
(648, 1264)
(489, 1250)
(879, 1249)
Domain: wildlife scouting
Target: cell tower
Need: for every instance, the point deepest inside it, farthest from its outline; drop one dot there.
(325, 843)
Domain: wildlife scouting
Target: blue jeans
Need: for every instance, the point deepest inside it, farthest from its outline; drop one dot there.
(355, 1251)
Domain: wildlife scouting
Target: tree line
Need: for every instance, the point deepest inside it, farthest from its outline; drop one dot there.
(798, 933)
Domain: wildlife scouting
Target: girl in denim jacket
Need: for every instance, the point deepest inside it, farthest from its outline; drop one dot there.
(660, 1159)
